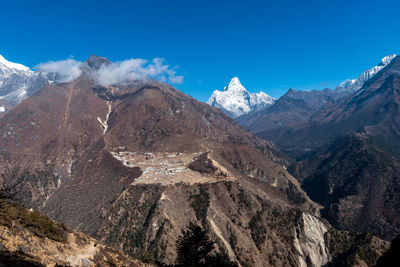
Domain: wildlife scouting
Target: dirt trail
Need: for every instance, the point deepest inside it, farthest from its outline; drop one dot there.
(84, 254)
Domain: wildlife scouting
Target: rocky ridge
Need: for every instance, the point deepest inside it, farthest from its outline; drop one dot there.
(353, 85)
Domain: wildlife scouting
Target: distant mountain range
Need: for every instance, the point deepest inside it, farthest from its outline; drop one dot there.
(236, 101)
(347, 147)
(354, 85)
(297, 107)
(296, 110)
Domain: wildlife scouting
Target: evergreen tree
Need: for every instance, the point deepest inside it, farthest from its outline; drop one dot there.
(195, 250)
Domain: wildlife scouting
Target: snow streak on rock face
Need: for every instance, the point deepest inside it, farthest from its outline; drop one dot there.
(354, 85)
(235, 100)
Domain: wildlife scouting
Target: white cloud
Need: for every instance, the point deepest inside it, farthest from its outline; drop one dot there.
(119, 72)
(65, 70)
(137, 69)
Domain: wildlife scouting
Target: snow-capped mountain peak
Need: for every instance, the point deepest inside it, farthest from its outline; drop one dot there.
(353, 85)
(12, 65)
(17, 82)
(235, 100)
(7, 69)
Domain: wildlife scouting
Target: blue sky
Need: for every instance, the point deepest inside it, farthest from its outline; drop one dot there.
(269, 45)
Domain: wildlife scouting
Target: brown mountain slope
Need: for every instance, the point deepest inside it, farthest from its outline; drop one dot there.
(115, 163)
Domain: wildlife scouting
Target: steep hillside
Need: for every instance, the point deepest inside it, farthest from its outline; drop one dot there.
(358, 184)
(28, 238)
(354, 167)
(132, 164)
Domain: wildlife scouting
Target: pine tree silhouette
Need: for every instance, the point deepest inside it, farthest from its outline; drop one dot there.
(194, 249)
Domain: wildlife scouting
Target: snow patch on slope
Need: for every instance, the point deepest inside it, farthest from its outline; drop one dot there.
(235, 100)
(104, 123)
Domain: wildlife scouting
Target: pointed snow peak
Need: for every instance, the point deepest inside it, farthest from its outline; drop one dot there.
(12, 65)
(235, 86)
(95, 62)
(235, 81)
(235, 100)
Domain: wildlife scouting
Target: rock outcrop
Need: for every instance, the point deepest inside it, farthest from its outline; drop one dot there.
(28, 238)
